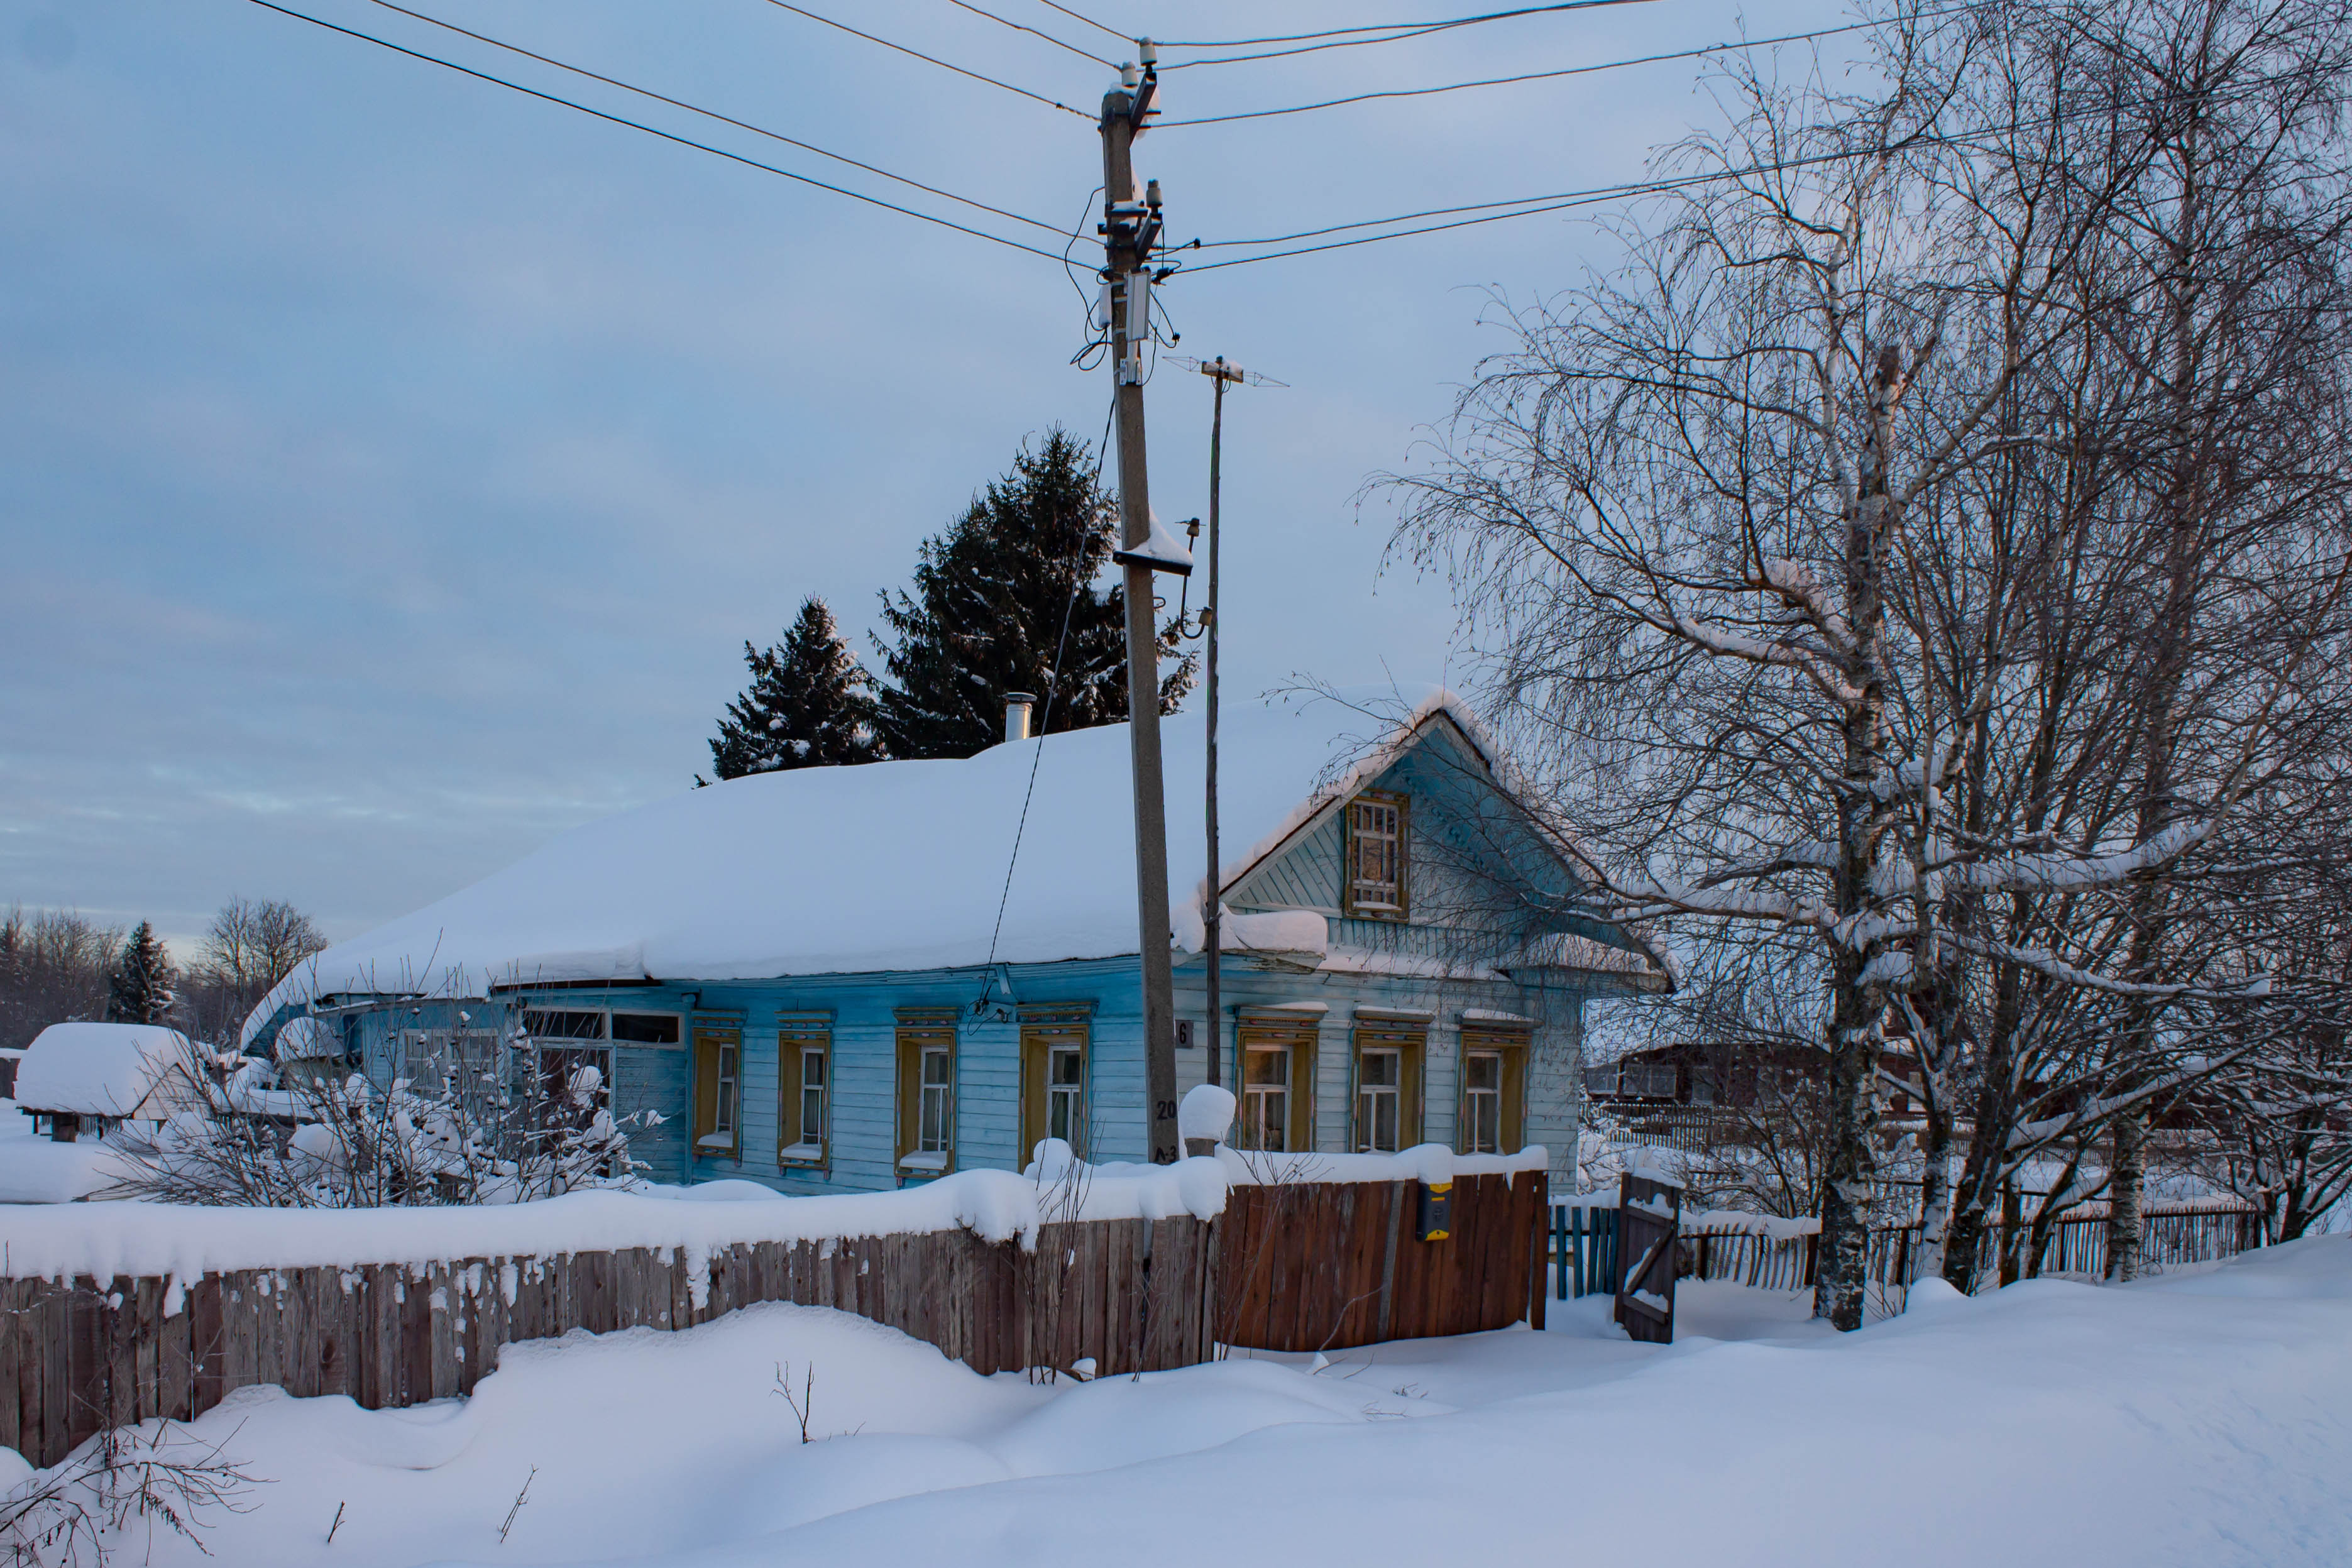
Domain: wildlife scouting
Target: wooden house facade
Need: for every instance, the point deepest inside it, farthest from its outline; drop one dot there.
(844, 978)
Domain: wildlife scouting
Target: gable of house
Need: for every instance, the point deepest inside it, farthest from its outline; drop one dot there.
(1476, 874)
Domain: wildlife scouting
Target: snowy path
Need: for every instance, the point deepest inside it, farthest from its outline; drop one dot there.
(2197, 1421)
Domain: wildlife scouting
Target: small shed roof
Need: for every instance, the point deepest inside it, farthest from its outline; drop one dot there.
(97, 1069)
(886, 866)
(307, 1039)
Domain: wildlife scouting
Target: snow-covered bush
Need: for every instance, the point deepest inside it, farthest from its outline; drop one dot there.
(327, 1141)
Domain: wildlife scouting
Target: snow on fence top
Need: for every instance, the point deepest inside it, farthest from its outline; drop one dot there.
(889, 871)
(104, 1239)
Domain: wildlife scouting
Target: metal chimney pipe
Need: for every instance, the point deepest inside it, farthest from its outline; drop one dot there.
(1016, 715)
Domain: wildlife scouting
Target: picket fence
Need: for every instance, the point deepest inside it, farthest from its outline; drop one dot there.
(1583, 1248)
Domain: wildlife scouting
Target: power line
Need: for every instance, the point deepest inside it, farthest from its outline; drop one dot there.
(1053, 684)
(1024, 27)
(1089, 21)
(931, 59)
(648, 130)
(713, 114)
(1420, 30)
(1584, 200)
(1632, 187)
(1399, 27)
(1560, 201)
(1539, 76)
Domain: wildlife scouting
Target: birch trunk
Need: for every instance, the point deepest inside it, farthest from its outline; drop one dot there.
(2013, 1230)
(1840, 1281)
(2124, 1227)
(1935, 1196)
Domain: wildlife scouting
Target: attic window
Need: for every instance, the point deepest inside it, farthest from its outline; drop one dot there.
(1375, 857)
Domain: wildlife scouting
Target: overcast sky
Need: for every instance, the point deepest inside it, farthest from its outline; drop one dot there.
(394, 465)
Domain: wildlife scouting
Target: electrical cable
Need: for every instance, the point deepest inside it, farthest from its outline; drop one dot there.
(1365, 28)
(1632, 187)
(1419, 31)
(1594, 200)
(1627, 188)
(1024, 27)
(1089, 21)
(1077, 234)
(1566, 199)
(1539, 76)
(648, 130)
(711, 114)
(943, 65)
(1053, 684)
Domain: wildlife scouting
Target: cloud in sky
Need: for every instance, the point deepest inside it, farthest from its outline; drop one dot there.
(397, 463)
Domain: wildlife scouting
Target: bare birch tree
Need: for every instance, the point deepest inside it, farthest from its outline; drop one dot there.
(1721, 515)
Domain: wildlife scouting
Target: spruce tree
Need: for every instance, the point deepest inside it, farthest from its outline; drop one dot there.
(139, 987)
(987, 608)
(809, 704)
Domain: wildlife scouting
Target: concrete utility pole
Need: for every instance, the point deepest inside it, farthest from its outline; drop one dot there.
(1129, 228)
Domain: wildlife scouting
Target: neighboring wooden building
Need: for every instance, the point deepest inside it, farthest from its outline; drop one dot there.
(88, 1078)
(828, 978)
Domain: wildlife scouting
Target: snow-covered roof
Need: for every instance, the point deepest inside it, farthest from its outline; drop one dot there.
(307, 1039)
(884, 866)
(97, 1069)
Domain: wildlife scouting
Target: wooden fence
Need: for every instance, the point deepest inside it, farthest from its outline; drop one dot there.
(2077, 1246)
(1584, 1250)
(1327, 1265)
(80, 1355)
(1764, 1262)
(1298, 1267)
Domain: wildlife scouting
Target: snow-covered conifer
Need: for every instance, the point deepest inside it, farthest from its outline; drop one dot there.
(140, 988)
(987, 613)
(810, 703)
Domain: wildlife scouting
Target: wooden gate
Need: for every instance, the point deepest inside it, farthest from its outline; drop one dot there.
(1327, 1265)
(1649, 1233)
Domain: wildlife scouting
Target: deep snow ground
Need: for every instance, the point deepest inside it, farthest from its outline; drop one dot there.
(2203, 1420)
(35, 1170)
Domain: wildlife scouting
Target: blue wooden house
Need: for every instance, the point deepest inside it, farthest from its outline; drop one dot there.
(848, 978)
